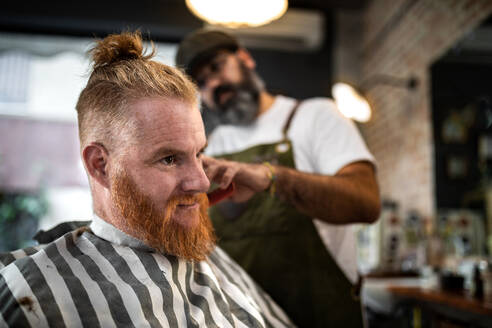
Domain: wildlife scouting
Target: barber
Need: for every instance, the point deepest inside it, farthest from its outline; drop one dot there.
(309, 174)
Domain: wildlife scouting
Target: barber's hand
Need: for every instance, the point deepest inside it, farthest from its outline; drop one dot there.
(248, 178)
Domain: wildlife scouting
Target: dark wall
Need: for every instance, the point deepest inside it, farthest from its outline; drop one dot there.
(462, 88)
(162, 20)
(298, 74)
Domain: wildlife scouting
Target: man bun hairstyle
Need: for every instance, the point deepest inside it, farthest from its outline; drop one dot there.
(122, 73)
(118, 47)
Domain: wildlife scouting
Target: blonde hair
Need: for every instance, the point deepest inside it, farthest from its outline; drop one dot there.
(122, 74)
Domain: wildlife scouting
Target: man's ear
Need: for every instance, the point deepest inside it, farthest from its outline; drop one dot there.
(96, 158)
(246, 58)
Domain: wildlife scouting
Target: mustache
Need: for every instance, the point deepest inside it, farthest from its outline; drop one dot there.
(175, 201)
(223, 89)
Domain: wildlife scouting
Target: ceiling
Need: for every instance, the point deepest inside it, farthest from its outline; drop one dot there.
(170, 21)
(164, 20)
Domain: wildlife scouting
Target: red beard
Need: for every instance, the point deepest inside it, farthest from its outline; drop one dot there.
(160, 230)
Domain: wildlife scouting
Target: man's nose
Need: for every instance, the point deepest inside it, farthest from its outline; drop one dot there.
(213, 82)
(208, 91)
(195, 179)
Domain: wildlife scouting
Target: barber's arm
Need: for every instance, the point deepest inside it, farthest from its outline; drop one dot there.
(350, 196)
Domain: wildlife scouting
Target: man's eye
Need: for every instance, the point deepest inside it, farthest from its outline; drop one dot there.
(214, 67)
(200, 83)
(217, 65)
(200, 79)
(169, 160)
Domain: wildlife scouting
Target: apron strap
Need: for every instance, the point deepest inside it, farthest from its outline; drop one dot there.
(289, 119)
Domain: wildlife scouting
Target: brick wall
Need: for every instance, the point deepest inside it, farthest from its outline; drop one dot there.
(403, 38)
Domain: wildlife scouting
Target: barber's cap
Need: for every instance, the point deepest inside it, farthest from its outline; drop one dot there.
(201, 45)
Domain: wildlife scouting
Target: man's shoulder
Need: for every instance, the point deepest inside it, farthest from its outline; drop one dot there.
(32, 278)
(7, 258)
(315, 114)
(48, 242)
(318, 106)
(283, 106)
(46, 236)
(29, 284)
(20, 271)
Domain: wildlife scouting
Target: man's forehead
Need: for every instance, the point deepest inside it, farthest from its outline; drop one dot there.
(159, 119)
(150, 111)
(206, 61)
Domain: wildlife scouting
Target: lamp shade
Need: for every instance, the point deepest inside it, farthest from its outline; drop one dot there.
(351, 103)
(238, 13)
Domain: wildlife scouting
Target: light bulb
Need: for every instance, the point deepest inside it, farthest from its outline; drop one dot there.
(351, 103)
(238, 13)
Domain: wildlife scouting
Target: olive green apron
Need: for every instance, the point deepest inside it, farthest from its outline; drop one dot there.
(282, 250)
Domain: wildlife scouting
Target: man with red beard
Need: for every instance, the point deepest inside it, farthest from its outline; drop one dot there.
(148, 258)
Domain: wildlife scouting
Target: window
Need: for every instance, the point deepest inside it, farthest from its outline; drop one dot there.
(40, 81)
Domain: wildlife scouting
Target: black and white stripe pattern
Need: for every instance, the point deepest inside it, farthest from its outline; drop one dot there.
(85, 281)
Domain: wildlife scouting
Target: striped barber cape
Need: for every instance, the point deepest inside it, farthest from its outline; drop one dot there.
(81, 279)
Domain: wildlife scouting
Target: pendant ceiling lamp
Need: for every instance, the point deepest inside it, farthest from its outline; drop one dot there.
(238, 13)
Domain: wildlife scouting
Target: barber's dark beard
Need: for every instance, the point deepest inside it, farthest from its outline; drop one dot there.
(241, 108)
(159, 230)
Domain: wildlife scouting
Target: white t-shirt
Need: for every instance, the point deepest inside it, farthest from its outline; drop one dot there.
(323, 142)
